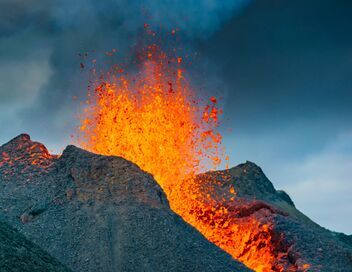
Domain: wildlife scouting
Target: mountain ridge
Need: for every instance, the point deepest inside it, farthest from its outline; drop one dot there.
(71, 203)
(99, 213)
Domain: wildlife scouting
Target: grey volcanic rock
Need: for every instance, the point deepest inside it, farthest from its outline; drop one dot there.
(297, 240)
(98, 213)
(19, 254)
(251, 182)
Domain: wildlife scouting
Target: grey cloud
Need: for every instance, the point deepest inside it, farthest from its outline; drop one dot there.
(65, 28)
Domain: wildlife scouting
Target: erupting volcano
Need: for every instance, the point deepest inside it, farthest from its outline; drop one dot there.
(154, 119)
(116, 122)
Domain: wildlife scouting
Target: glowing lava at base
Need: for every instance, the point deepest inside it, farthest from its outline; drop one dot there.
(153, 119)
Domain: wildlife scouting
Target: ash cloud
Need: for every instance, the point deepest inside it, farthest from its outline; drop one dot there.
(42, 39)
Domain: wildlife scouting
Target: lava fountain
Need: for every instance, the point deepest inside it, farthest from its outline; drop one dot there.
(155, 120)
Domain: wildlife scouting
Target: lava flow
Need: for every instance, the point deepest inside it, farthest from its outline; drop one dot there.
(155, 120)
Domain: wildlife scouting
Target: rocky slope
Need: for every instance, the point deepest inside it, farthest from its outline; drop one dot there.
(98, 213)
(19, 254)
(277, 228)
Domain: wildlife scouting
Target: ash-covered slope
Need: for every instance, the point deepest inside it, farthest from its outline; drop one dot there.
(296, 242)
(19, 254)
(98, 213)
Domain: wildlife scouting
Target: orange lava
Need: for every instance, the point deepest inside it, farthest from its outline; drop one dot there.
(153, 119)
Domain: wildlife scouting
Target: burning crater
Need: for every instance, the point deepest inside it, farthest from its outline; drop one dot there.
(155, 120)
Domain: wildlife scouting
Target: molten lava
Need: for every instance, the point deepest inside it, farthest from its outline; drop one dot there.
(153, 119)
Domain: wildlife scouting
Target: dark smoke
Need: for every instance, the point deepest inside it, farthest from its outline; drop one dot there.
(51, 34)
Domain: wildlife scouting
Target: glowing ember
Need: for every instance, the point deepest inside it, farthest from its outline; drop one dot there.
(155, 120)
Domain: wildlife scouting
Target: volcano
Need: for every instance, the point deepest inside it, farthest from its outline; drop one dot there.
(103, 213)
(99, 213)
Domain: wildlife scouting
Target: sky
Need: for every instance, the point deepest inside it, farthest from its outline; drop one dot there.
(283, 68)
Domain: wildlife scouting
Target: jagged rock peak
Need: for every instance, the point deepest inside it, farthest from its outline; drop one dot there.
(23, 158)
(251, 179)
(23, 143)
(249, 166)
(74, 150)
(22, 137)
(109, 178)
